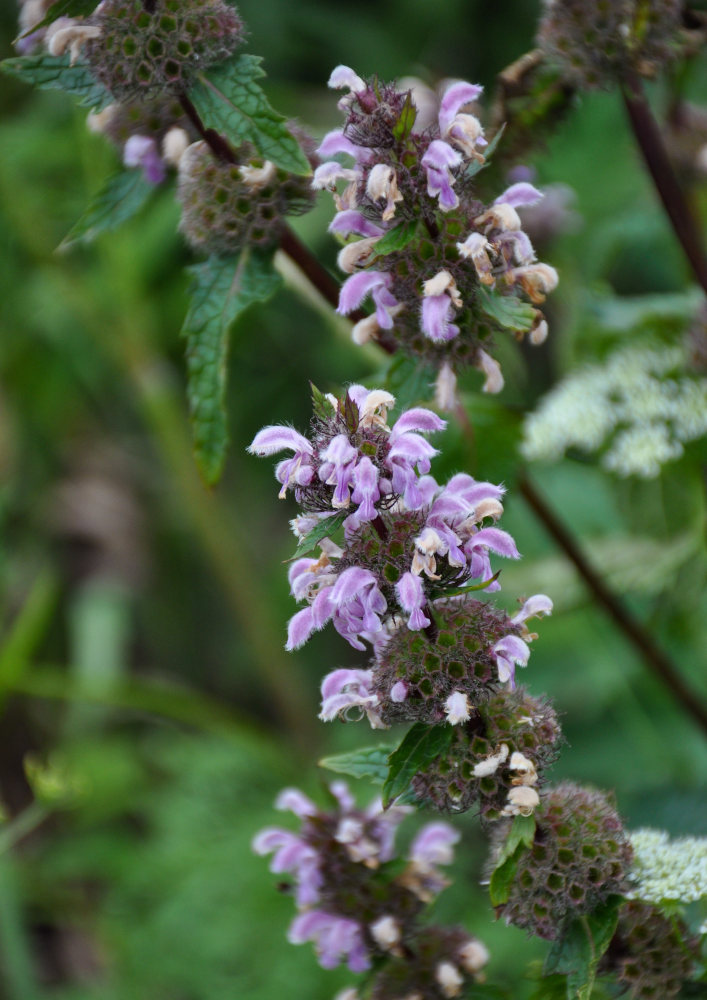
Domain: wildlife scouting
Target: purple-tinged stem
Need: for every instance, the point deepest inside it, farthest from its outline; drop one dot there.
(652, 655)
(650, 142)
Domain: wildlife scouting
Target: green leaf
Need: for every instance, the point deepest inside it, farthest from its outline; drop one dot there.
(229, 100)
(121, 197)
(550, 988)
(420, 745)
(577, 953)
(27, 630)
(321, 406)
(467, 589)
(56, 73)
(404, 124)
(351, 414)
(396, 238)
(63, 8)
(489, 150)
(409, 381)
(222, 288)
(519, 839)
(506, 310)
(370, 762)
(324, 529)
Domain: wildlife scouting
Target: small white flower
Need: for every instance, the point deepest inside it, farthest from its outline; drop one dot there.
(492, 370)
(442, 283)
(449, 978)
(489, 765)
(473, 956)
(175, 145)
(522, 800)
(382, 185)
(256, 178)
(457, 708)
(385, 932)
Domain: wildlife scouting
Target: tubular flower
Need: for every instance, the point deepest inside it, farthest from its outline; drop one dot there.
(406, 540)
(453, 268)
(355, 904)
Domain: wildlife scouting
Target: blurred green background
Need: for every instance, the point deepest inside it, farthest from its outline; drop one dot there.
(142, 670)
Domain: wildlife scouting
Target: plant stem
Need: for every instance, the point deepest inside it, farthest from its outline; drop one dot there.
(654, 657)
(650, 142)
(217, 143)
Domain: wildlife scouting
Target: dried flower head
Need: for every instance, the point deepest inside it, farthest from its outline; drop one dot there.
(651, 955)
(580, 856)
(506, 745)
(226, 206)
(598, 43)
(139, 53)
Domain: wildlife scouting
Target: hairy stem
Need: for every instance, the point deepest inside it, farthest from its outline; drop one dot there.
(654, 657)
(650, 142)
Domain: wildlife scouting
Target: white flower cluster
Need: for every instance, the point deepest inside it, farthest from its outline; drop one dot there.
(641, 404)
(668, 870)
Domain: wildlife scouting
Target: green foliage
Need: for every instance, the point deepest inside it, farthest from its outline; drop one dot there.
(577, 953)
(405, 122)
(506, 311)
(222, 288)
(57, 73)
(369, 762)
(120, 198)
(420, 745)
(519, 839)
(409, 381)
(396, 238)
(325, 529)
(229, 99)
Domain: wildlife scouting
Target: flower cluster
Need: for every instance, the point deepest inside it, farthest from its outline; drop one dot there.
(579, 857)
(598, 43)
(135, 52)
(407, 542)
(152, 135)
(443, 269)
(496, 760)
(359, 906)
(641, 402)
(651, 955)
(226, 206)
(665, 870)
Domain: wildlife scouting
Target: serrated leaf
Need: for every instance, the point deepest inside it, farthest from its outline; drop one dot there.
(324, 529)
(370, 762)
(577, 953)
(506, 310)
(229, 100)
(56, 73)
(63, 8)
(121, 197)
(420, 745)
(321, 406)
(396, 238)
(404, 124)
(222, 288)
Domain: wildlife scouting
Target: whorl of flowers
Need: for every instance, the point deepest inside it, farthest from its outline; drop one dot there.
(355, 901)
(640, 407)
(151, 135)
(496, 760)
(226, 206)
(406, 541)
(651, 955)
(596, 43)
(668, 871)
(580, 856)
(442, 269)
(135, 52)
